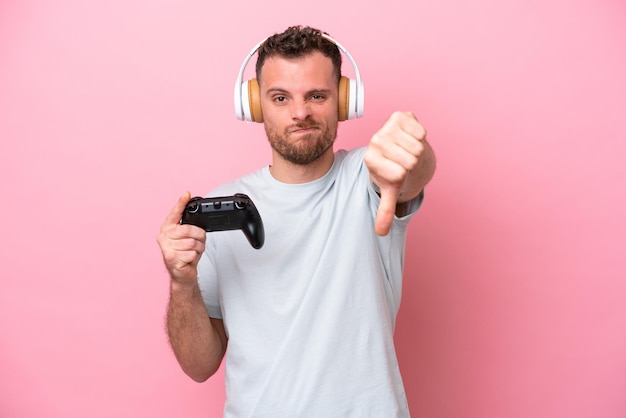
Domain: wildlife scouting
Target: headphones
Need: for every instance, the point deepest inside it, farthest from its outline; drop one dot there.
(248, 95)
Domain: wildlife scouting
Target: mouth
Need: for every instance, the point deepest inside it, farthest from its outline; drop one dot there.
(303, 129)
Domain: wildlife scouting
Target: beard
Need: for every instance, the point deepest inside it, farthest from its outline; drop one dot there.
(308, 147)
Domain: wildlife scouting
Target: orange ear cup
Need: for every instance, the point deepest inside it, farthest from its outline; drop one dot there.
(343, 99)
(254, 96)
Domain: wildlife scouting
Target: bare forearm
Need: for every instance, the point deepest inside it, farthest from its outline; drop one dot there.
(198, 341)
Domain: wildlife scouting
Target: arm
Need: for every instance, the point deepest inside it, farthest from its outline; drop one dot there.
(401, 162)
(199, 342)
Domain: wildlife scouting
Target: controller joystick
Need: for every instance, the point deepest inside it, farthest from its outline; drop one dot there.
(226, 213)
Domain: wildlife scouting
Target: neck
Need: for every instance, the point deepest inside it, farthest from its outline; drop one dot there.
(288, 172)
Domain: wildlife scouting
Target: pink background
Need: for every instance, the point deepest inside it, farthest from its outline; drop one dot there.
(515, 275)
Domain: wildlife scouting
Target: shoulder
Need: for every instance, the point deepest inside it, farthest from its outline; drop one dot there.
(350, 160)
(354, 155)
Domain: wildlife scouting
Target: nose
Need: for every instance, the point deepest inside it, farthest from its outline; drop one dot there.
(300, 109)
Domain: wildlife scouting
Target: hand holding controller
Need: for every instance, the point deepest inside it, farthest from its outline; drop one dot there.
(225, 214)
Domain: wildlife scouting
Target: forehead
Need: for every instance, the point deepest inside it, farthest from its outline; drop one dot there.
(311, 68)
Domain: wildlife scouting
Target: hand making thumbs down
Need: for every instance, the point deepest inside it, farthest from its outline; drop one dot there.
(400, 162)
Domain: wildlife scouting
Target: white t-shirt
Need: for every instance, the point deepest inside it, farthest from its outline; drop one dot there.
(310, 316)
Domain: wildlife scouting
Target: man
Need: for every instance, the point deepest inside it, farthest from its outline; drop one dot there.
(305, 323)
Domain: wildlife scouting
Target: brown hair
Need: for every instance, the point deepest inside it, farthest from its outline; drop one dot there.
(295, 42)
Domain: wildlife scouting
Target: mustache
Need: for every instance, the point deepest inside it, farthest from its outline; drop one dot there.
(302, 125)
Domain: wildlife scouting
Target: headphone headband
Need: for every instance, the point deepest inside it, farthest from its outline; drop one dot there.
(245, 105)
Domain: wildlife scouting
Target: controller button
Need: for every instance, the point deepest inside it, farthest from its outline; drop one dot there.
(193, 207)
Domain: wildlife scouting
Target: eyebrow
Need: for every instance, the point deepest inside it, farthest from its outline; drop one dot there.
(279, 90)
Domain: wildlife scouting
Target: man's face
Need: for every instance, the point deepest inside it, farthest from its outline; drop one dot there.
(299, 103)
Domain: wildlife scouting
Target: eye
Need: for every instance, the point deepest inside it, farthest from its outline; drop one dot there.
(317, 97)
(279, 99)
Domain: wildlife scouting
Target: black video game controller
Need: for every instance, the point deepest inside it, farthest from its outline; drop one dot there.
(225, 214)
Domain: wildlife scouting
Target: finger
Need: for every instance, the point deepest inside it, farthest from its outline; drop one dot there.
(178, 255)
(409, 124)
(402, 155)
(188, 244)
(182, 231)
(176, 213)
(187, 258)
(401, 141)
(414, 134)
(386, 209)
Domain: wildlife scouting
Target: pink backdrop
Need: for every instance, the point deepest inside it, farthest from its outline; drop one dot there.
(515, 275)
